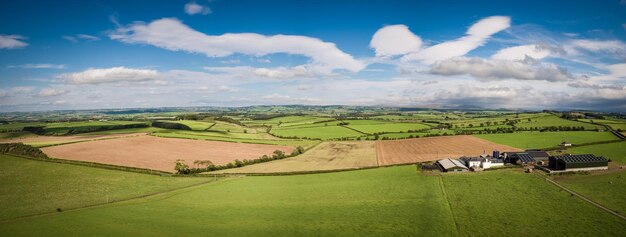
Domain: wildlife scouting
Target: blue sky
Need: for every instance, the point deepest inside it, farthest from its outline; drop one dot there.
(120, 54)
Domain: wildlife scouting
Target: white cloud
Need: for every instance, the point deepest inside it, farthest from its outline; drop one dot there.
(171, 34)
(395, 40)
(193, 8)
(520, 52)
(227, 89)
(12, 42)
(49, 92)
(476, 36)
(109, 75)
(608, 46)
(500, 69)
(39, 66)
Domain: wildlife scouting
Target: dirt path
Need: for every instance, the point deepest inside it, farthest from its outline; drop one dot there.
(598, 205)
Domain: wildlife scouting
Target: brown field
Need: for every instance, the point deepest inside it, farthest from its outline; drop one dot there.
(433, 148)
(325, 156)
(156, 153)
(35, 140)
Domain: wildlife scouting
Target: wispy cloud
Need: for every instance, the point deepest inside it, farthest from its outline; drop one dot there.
(109, 75)
(39, 66)
(50, 92)
(78, 37)
(12, 42)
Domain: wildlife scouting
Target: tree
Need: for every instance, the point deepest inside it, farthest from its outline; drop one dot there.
(204, 163)
(181, 167)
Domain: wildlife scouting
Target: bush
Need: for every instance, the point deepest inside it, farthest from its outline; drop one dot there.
(21, 149)
(181, 167)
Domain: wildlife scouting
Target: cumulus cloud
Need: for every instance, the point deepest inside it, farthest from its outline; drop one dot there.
(193, 8)
(395, 40)
(171, 34)
(49, 92)
(109, 75)
(12, 42)
(476, 36)
(500, 69)
(39, 66)
(520, 52)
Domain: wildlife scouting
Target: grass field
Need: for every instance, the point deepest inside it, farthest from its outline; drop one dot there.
(614, 151)
(194, 125)
(513, 203)
(32, 187)
(325, 156)
(552, 120)
(607, 187)
(612, 122)
(376, 126)
(394, 201)
(317, 132)
(526, 140)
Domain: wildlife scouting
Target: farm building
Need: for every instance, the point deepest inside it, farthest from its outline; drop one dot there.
(451, 165)
(482, 162)
(530, 157)
(578, 163)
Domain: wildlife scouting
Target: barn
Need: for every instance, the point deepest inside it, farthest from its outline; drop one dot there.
(451, 165)
(578, 162)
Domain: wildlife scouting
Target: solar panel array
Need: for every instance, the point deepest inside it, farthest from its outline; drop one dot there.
(580, 158)
(525, 157)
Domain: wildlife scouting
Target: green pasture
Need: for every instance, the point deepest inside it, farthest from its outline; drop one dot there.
(527, 140)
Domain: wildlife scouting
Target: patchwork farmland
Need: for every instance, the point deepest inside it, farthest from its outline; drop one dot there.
(318, 171)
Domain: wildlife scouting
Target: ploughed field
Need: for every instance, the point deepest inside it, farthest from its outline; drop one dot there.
(54, 140)
(156, 153)
(325, 156)
(433, 148)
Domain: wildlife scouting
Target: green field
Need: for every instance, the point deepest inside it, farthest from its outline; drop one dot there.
(554, 121)
(606, 188)
(387, 201)
(194, 125)
(33, 187)
(614, 151)
(316, 131)
(376, 126)
(612, 122)
(513, 203)
(526, 140)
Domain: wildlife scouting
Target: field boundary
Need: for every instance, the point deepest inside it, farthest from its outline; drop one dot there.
(110, 202)
(598, 205)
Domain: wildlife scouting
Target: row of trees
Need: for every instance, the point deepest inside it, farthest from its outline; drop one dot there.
(21, 149)
(170, 125)
(206, 165)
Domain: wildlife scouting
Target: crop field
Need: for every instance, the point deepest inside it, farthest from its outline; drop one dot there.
(527, 140)
(36, 187)
(155, 153)
(325, 156)
(513, 203)
(41, 141)
(316, 132)
(554, 121)
(287, 121)
(615, 151)
(374, 126)
(433, 148)
(379, 202)
(603, 187)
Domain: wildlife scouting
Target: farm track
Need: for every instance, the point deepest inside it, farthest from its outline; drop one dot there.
(598, 205)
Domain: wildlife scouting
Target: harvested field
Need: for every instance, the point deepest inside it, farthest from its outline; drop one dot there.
(51, 140)
(156, 153)
(326, 156)
(433, 148)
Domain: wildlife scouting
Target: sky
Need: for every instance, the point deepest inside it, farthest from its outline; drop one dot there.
(82, 54)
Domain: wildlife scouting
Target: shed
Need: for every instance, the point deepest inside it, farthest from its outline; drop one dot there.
(578, 162)
(451, 165)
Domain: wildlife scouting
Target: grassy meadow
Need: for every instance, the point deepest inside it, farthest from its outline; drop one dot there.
(35, 187)
(526, 140)
(607, 187)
